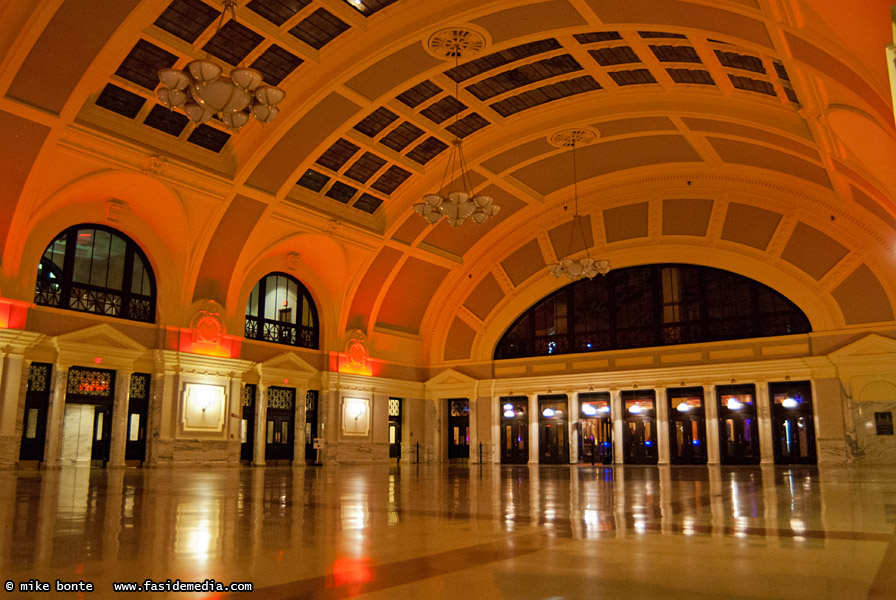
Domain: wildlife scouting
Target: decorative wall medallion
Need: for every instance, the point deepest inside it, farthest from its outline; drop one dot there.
(356, 348)
(207, 325)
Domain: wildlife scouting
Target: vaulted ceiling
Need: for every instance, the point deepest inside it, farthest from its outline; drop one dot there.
(751, 135)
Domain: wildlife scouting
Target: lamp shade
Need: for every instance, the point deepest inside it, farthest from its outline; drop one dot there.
(265, 114)
(204, 71)
(172, 98)
(248, 79)
(174, 79)
(196, 113)
(269, 95)
(235, 120)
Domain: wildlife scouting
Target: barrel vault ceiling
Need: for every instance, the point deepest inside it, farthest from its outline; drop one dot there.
(751, 135)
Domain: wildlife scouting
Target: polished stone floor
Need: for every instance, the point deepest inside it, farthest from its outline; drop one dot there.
(457, 531)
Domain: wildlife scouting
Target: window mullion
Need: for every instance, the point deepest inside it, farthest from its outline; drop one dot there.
(126, 280)
(68, 268)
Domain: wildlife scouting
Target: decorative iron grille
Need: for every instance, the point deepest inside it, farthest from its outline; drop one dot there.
(96, 301)
(311, 401)
(48, 292)
(279, 397)
(38, 377)
(394, 407)
(460, 407)
(89, 382)
(247, 397)
(139, 386)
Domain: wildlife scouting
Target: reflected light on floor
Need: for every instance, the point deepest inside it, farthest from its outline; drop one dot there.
(740, 527)
(640, 524)
(351, 573)
(198, 530)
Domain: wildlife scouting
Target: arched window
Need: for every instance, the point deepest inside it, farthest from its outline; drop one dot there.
(96, 269)
(652, 305)
(281, 310)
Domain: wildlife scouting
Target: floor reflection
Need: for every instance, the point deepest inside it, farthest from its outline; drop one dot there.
(345, 531)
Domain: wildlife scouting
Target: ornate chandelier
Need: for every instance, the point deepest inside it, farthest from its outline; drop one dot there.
(572, 268)
(456, 205)
(203, 93)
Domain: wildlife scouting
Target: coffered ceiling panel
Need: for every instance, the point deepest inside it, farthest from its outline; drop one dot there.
(48, 76)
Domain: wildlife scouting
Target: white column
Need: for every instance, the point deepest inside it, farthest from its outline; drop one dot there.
(498, 412)
(533, 429)
(617, 414)
(662, 426)
(13, 402)
(299, 431)
(235, 422)
(763, 412)
(119, 429)
(573, 436)
(261, 417)
(53, 448)
(711, 410)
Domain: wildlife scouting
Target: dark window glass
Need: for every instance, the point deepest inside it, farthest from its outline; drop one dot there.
(96, 269)
(281, 310)
(652, 305)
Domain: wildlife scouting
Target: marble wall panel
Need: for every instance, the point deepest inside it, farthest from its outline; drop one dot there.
(206, 453)
(77, 434)
(354, 452)
(872, 448)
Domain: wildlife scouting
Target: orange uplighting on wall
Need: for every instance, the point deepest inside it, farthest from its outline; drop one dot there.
(13, 313)
(341, 363)
(224, 347)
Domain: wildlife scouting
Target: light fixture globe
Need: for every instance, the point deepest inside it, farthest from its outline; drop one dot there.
(247, 79)
(172, 98)
(197, 113)
(203, 91)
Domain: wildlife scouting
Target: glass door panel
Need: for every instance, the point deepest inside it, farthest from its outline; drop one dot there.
(553, 438)
(639, 431)
(458, 428)
(279, 435)
(247, 422)
(738, 425)
(102, 429)
(595, 428)
(793, 426)
(687, 426)
(514, 431)
(37, 399)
